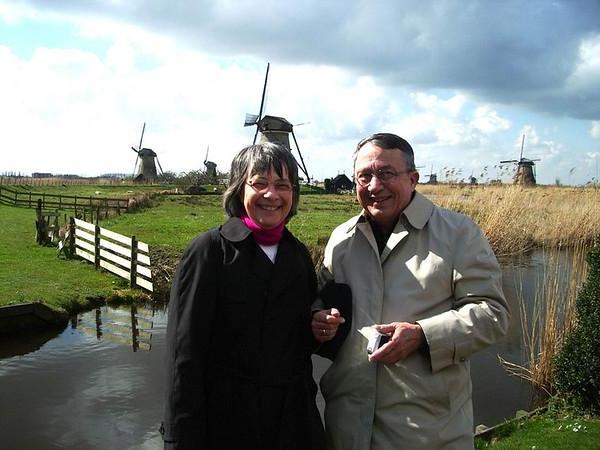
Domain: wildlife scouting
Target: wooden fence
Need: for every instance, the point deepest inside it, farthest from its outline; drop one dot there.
(28, 199)
(122, 255)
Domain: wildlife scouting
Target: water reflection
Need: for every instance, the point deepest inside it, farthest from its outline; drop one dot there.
(86, 388)
(131, 327)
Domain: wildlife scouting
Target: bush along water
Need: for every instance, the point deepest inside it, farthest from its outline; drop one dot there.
(577, 366)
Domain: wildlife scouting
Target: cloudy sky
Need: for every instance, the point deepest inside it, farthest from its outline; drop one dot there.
(461, 80)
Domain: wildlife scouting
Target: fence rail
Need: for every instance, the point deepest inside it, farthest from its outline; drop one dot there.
(124, 256)
(19, 197)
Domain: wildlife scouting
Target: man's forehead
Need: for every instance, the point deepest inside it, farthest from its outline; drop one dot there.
(378, 158)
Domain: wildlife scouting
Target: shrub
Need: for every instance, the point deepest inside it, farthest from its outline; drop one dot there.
(577, 366)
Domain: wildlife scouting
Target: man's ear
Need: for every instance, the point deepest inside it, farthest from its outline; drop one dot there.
(414, 178)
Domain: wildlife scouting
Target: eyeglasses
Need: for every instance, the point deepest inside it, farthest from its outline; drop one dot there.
(262, 184)
(383, 175)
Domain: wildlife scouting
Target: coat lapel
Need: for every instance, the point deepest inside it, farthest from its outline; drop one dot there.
(285, 269)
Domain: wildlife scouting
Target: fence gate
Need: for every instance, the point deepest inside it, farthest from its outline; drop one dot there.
(122, 255)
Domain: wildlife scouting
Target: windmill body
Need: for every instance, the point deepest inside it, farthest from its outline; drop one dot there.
(148, 159)
(210, 167)
(147, 167)
(432, 177)
(525, 174)
(275, 129)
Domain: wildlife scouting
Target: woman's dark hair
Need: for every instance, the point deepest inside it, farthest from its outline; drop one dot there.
(258, 159)
(389, 141)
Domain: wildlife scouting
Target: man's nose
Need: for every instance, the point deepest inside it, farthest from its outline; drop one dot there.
(375, 184)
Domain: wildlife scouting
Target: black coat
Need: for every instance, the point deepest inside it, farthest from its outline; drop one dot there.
(239, 371)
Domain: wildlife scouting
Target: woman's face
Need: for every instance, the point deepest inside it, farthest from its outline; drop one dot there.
(267, 197)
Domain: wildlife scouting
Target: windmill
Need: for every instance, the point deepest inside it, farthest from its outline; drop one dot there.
(211, 167)
(146, 171)
(274, 129)
(525, 173)
(432, 177)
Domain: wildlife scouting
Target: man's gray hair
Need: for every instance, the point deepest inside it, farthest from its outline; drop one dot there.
(389, 141)
(259, 159)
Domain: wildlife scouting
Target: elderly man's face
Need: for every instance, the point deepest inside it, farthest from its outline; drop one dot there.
(383, 200)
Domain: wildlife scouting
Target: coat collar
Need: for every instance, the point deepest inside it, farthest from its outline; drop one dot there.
(234, 230)
(415, 215)
(418, 212)
(283, 272)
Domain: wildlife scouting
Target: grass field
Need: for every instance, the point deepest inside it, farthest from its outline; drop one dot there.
(29, 272)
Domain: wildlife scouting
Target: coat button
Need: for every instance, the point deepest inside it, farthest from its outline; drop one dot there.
(462, 359)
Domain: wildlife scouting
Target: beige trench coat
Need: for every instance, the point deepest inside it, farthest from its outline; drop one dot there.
(437, 270)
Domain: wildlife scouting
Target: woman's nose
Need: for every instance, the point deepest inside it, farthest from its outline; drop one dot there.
(271, 192)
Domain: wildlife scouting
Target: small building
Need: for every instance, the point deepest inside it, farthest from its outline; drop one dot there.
(339, 183)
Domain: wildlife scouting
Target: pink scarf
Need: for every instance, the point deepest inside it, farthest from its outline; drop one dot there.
(263, 237)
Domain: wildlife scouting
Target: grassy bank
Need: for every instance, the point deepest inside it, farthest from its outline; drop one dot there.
(29, 272)
(545, 431)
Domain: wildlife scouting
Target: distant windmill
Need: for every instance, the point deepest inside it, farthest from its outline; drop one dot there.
(146, 171)
(274, 129)
(211, 167)
(525, 173)
(432, 177)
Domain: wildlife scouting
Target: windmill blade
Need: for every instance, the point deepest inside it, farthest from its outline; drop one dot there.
(159, 166)
(522, 144)
(134, 149)
(135, 165)
(509, 161)
(142, 136)
(250, 120)
(262, 102)
(206, 157)
(303, 166)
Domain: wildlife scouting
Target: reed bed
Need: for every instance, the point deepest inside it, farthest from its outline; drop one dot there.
(516, 219)
(547, 321)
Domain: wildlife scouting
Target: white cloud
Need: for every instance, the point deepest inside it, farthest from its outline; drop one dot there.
(488, 121)
(595, 130)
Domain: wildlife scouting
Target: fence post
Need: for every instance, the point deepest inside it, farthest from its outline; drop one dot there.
(72, 236)
(97, 244)
(134, 252)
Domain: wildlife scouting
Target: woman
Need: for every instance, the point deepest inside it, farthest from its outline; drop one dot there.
(239, 372)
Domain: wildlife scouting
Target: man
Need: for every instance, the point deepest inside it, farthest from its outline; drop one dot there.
(427, 278)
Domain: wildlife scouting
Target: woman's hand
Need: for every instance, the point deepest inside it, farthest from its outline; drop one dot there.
(325, 323)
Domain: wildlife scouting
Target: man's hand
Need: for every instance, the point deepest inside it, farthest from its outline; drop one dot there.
(406, 338)
(325, 324)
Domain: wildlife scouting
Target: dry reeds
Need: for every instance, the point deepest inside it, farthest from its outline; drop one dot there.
(516, 219)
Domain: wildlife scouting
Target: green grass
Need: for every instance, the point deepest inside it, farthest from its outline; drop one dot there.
(94, 190)
(174, 220)
(544, 432)
(30, 273)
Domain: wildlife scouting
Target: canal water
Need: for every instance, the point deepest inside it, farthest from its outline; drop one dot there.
(99, 382)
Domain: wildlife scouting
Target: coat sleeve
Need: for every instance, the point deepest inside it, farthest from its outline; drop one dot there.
(479, 314)
(191, 311)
